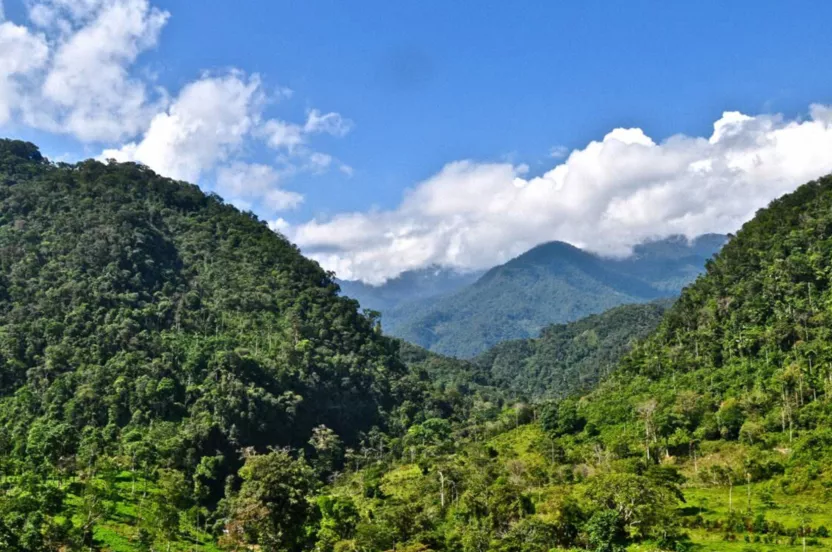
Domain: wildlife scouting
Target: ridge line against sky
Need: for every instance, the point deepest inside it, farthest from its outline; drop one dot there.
(606, 197)
(122, 79)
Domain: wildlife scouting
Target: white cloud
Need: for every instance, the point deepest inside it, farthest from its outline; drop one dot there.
(558, 152)
(279, 225)
(21, 54)
(72, 69)
(328, 123)
(283, 135)
(291, 140)
(88, 86)
(281, 200)
(58, 13)
(608, 196)
(205, 124)
(77, 80)
(206, 131)
(255, 183)
(319, 161)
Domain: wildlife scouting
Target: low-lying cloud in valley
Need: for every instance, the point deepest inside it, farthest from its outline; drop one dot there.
(613, 193)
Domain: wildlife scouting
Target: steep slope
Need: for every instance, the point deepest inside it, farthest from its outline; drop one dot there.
(570, 358)
(752, 334)
(126, 297)
(714, 433)
(552, 283)
(147, 328)
(410, 286)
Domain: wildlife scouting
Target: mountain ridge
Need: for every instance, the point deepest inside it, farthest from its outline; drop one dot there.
(554, 282)
(711, 433)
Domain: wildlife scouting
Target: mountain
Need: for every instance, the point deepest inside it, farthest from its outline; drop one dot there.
(115, 280)
(713, 433)
(159, 348)
(409, 286)
(552, 283)
(570, 358)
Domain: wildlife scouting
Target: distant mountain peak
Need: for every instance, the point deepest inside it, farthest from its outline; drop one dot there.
(554, 282)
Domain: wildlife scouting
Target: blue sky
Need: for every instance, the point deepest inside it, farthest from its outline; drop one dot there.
(420, 87)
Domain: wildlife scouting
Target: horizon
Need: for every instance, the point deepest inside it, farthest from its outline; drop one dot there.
(464, 271)
(423, 141)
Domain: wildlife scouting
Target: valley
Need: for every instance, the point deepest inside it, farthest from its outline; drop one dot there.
(176, 376)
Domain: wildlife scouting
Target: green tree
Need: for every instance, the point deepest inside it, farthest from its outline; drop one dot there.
(273, 506)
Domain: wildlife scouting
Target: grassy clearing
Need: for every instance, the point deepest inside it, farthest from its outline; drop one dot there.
(127, 503)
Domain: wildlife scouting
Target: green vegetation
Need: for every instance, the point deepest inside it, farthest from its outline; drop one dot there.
(552, 283)
(151, 332)
(568, 358)
(713, 433)
(174, 376)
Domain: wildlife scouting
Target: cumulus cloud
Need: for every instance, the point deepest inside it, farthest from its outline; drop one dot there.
(68, 71)
(291, 139)
(205, 124)
(611, 194)
(206, 131)
(283, 135)
(247, 182)
(71, 68)
(23, 54)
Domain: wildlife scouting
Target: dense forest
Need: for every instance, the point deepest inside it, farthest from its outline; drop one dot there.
(570, 358)
(712, 434)
(174, 376)
(158, 342)
(552, 283)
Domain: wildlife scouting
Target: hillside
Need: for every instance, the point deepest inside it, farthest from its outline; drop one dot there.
(713, 433)
(174, 376)
(552, 283)
(409, 287)
(569, 358)
(155, 341)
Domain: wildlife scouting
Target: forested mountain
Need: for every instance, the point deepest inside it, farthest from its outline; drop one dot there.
(155, 344)
(569, 358)
(712, 434)
(413, 286)
(552, 283)
(174, 376)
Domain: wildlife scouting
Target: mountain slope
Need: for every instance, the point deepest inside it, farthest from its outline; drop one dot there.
(410, 286)
(111, 272)
(756, 326)
(552, 283)
(742, 361)
(149, 329)
(570, 358)
(714, 433)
